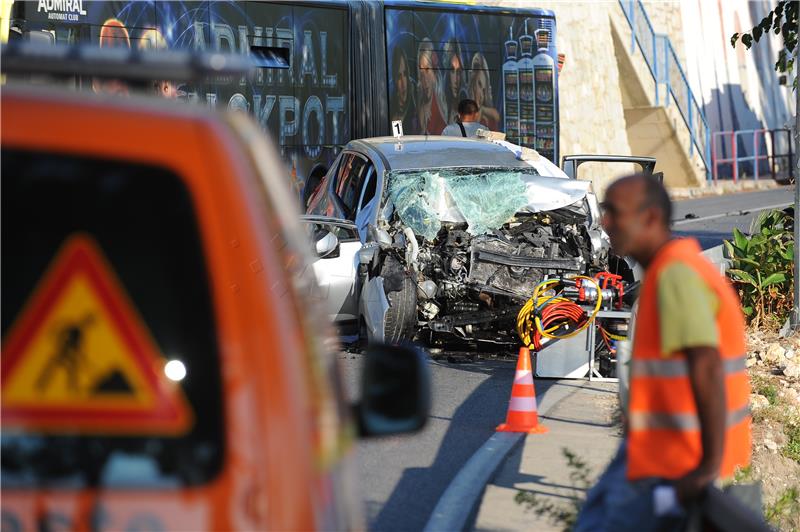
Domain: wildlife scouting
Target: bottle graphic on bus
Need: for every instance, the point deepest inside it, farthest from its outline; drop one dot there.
(544, 76)
(527, 129)
(511, 89)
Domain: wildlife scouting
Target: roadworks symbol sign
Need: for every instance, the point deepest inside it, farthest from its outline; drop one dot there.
(79, 359)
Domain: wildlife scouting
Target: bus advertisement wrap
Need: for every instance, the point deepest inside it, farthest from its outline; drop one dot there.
(305, 107)
(319, 97)
(505, 62)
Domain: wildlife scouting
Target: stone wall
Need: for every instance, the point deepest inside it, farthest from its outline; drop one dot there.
(666, 18)
(591, 111)
(607, 94)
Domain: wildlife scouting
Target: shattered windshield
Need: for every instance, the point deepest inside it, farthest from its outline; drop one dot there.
(483, 198)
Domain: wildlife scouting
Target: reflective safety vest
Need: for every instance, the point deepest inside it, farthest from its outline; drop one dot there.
(663, 426)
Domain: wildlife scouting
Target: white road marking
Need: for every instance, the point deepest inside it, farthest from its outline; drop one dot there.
(741, 212)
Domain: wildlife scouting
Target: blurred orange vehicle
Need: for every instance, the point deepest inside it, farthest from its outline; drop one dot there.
(164, 364)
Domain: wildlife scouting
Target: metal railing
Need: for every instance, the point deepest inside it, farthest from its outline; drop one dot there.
(661, 59)
(771, 155)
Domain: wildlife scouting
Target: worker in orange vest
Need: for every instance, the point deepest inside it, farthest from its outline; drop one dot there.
(687, 421)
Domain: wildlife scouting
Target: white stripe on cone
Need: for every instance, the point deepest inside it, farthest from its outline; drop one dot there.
(522, 404)
(523, 377)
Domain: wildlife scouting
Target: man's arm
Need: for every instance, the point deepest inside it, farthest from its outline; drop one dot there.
(708, 386)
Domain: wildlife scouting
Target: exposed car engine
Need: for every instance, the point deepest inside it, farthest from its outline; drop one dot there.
(472, 286)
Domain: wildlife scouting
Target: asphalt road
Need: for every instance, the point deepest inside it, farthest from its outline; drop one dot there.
(711, 232)
(402, 478)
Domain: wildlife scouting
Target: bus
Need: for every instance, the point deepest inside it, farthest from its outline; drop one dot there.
(332, 71)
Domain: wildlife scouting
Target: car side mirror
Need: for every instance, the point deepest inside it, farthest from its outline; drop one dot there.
(395, 390)
(327, 246)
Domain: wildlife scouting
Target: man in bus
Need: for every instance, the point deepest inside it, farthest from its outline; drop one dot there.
(466, 124)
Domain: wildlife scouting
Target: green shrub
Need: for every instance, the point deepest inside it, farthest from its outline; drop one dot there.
(762, 267)
(562, 515)
(763, 387)
(743, 475)
(784, 507)
(792, 448)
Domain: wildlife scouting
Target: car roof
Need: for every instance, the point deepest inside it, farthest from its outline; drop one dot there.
(420, 151)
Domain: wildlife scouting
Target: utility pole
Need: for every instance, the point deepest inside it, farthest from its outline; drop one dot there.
(795, 323)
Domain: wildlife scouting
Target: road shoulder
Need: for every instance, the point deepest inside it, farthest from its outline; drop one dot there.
(582, 421)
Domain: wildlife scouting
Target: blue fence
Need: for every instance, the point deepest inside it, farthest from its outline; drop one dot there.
(670, 80)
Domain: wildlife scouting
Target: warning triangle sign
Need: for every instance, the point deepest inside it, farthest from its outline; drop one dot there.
(79, 359)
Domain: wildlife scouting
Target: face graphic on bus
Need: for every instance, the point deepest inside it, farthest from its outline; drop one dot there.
(478, 86)
(427, 75)
(454, 76)
(401, 83)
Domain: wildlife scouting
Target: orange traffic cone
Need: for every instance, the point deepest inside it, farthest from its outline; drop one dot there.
(522, 414)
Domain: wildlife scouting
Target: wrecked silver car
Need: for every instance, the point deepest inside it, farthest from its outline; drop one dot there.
(454, 235)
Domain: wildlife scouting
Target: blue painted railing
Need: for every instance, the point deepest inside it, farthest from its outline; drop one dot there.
(670, 80)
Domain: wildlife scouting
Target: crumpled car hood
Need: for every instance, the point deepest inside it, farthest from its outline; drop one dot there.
(543, 194)
(551, 193)
(424, 200)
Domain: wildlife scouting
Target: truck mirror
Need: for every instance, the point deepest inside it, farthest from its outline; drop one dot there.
(395, 390)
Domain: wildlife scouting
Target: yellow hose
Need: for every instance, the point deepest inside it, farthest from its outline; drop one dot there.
(527, 318)
(525, 324)
(546, 334)
(614, 336)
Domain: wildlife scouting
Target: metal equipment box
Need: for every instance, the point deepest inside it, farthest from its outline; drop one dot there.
(564, 359)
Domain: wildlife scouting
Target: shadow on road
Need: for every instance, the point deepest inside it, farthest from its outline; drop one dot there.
(415, 495)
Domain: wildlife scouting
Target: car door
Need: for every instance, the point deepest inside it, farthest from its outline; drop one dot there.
(368, 203)
(348, 184)
(646, 165)
(336, 272)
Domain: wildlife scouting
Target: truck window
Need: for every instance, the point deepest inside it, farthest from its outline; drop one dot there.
(141, 220)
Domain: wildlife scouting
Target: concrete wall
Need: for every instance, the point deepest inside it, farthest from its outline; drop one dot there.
(653, 129)
(607, 99)
(739, 87)
(592, 115)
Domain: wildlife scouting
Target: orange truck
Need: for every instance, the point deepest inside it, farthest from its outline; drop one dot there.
(164, 362)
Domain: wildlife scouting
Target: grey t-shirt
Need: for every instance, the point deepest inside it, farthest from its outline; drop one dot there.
(471, 129)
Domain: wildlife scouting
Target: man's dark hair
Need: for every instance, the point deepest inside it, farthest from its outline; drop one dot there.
(654, 195)
(467, 107)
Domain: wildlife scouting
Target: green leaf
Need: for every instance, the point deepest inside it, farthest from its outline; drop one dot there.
(747, 40)
(775, 278)
(781, 60)
(751, 262)
(748, 310)
(755, 242)
(730, 250)
(757, 31)
(785, 29)
(743, 276)
(739, 239)
(734, 38)
(766, 22)
(790, 11)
